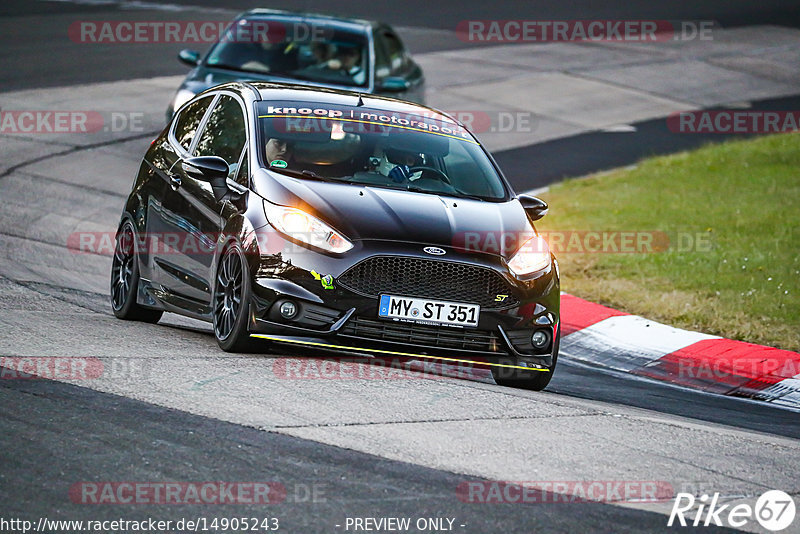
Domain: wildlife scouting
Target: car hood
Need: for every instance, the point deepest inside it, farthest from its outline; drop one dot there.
(373, 213)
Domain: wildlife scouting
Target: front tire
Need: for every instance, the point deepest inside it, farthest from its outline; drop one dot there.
(230, 301)
(125, 279)
(523, 379)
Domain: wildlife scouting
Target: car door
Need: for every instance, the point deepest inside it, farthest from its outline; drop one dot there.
(195, 215)
(163, 206)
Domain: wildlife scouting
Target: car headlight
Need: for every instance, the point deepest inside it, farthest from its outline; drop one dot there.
(306, 228)
(532, 256)
(181, 97)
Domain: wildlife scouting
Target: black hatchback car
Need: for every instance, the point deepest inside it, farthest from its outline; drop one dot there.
(341, 221)
(281, 46)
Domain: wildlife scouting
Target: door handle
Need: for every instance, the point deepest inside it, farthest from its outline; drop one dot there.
(174, 181)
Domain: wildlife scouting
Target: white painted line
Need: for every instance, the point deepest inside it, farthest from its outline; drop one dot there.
(620, 128)
(538, 191)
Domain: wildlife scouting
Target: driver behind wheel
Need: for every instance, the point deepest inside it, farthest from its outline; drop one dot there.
(279, 150)
(398, 163)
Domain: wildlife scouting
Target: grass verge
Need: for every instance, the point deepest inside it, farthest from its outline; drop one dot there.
(730, 214)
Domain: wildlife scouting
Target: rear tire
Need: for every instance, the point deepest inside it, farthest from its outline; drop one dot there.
(230, 301)
(524, 379)
(125, 279)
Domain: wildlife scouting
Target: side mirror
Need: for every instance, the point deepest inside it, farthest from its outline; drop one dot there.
(190, 57)
(536, 208)
(211, 169)
(392, 84)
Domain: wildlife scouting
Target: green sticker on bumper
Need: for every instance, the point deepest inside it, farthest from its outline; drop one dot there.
(326, 280)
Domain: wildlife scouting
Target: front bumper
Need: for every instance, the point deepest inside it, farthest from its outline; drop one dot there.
(339, 318)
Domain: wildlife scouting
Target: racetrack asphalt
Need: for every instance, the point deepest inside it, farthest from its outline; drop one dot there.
(37, 53)
(63, 435)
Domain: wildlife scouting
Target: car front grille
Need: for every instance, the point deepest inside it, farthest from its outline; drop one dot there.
(422, 335)
(431, 279)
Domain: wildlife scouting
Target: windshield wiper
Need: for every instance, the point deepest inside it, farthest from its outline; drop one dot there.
(311, 175)
(323, 77)
(467, 195)
(223, 66)
(455, 194)
(417, 189)
(262, 72)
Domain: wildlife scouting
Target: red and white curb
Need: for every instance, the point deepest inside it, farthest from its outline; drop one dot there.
(609, 338)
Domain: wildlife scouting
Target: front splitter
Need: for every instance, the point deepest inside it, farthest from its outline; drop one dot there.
(309, 343)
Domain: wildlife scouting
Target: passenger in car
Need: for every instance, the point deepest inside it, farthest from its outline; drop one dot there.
(348, 61)
(322, 53)
(351, 63)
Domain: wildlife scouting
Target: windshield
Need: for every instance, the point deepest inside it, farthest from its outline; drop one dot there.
(409, 151)
(319, 54)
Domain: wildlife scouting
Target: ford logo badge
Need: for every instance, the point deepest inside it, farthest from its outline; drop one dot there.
(436, 251)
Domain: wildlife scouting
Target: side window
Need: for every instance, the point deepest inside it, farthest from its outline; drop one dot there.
(224, 133)
(243, 173)
(382, 64)
(395, 51)
(186, 125)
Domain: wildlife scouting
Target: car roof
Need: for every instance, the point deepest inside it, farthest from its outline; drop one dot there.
(342, 23)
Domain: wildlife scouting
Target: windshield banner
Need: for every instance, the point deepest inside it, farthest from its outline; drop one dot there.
(294, 119)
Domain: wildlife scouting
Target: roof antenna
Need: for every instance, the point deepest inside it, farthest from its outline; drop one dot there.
(360, 102)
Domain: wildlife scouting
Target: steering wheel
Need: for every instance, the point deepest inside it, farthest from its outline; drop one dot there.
(442, 177)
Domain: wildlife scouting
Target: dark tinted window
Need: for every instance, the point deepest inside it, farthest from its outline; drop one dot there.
(224, 132)
(395, 51)
(189, 120)
(382, 64)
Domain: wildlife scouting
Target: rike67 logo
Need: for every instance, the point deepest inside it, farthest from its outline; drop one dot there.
(774, 510)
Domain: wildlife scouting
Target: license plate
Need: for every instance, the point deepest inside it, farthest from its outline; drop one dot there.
(425, 311)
